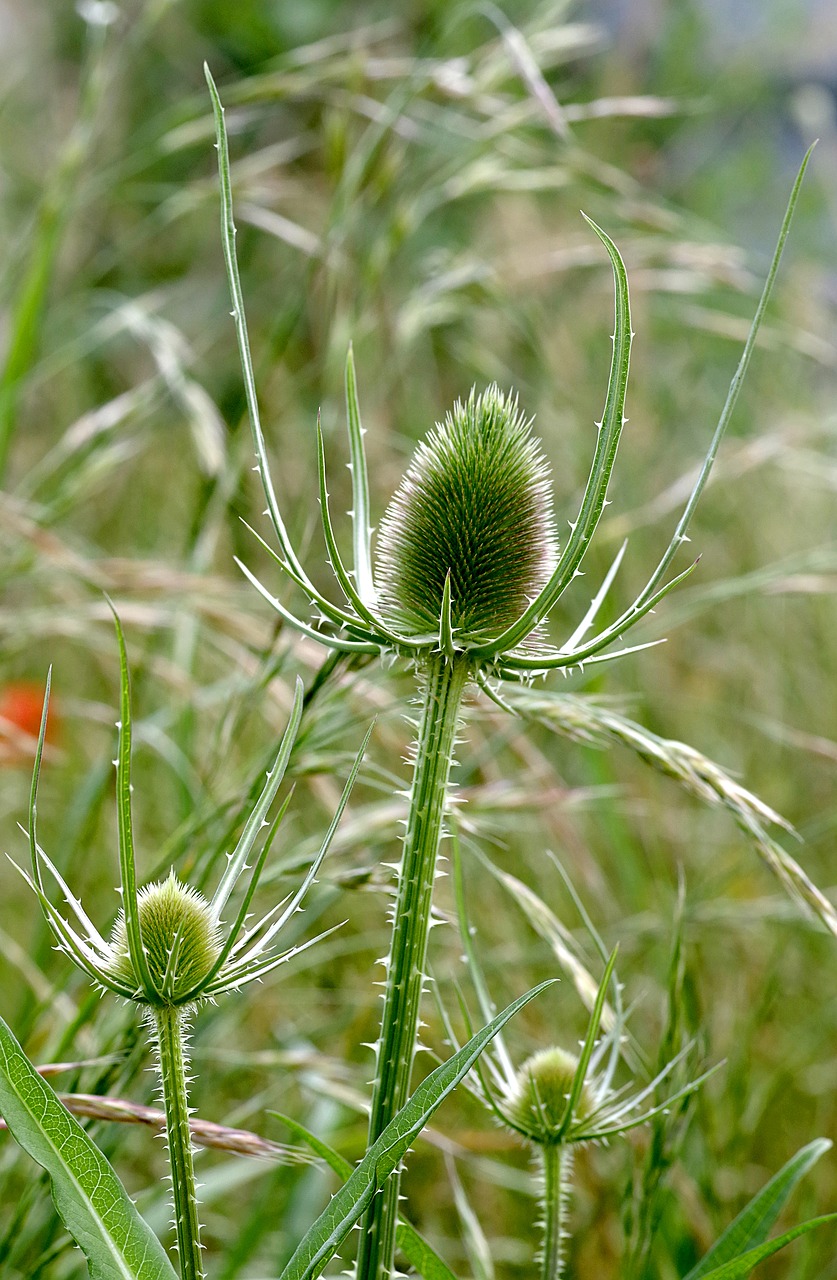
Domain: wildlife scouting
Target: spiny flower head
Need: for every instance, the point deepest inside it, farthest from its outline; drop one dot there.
(558, 1098)
(478, 546)
(474, 505)
(181, 937)
(538, 1103)
(168, 946)
(467, 554)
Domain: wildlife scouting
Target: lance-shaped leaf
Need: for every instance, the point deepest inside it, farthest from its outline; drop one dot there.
(740, 1268)
(421, 1255)
(95, 1207)
(750, 1228)
(323, 1240)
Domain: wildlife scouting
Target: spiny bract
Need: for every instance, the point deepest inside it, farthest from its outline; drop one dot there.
(539, 1102)
(179, 935)
(475, 503)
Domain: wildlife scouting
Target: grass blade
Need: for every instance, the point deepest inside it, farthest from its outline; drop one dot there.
(96, 1208)
(732, 395)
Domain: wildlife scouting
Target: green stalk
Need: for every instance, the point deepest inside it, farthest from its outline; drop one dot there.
(445, 684)
(60, 193)
(556, 1159)
(171, 1048)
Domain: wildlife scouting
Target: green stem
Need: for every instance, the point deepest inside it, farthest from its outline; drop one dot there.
(60, 193)
(445, 684)
(171, 1047)
(557, 1170)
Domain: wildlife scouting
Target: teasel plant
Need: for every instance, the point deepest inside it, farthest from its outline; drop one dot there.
(171, 949)
(559, 1101)
(467, 572)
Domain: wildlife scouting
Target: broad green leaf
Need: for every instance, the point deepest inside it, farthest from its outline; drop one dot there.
(420, 1254)
(95, 1207)
(740, 1267)
(344, 1209)
(414, 1247)
(751, 1226)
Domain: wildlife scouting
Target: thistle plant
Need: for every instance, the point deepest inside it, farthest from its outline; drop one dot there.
(558, 1101)
(467, 572)
(170, 949)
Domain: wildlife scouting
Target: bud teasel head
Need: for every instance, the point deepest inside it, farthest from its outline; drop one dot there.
(168, 946)
(544, 1084)
(182, 940)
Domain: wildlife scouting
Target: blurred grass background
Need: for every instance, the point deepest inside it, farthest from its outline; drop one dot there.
(412, 180)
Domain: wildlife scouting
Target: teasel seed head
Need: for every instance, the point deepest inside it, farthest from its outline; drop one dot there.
(475, 503)
(539, 1102)
(180, 938)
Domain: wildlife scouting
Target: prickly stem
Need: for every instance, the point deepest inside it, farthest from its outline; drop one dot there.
(170, 1026)
(557, 1169)
(445, 682)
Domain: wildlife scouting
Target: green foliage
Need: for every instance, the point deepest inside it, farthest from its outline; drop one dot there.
(386, 1153)
(91, 1200)
(414, 184)
(747, 1233)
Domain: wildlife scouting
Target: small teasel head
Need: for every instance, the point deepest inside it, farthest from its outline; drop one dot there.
(475, 505)
(537, 1106)
(170, 946)
(181, 939)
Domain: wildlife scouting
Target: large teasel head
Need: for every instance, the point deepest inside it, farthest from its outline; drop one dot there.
(468, 558)
(472, 515)
(463, 592)
(170, 945)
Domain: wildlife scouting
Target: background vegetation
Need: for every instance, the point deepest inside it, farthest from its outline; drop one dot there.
(411, 179)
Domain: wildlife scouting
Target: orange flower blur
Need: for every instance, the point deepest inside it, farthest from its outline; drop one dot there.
(21, 703)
